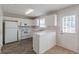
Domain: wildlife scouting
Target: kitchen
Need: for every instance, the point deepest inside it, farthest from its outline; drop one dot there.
(35, 32)
(25, 27)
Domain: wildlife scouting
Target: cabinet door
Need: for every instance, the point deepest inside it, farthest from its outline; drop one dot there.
(26, 21)
(50, 20)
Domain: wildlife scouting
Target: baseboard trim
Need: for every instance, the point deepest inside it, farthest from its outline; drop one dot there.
(67, 49)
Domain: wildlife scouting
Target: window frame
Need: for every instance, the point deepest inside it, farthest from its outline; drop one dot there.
(38, 21)
(67, 25)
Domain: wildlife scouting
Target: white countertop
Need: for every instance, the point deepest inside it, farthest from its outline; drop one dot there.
(44, 32)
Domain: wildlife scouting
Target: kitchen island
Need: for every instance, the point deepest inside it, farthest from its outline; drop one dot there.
(43, 40)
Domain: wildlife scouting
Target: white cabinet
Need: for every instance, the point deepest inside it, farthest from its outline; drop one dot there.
(27, 22)
(21, 22)
(25, 33)
(50, 20)
(44, 40)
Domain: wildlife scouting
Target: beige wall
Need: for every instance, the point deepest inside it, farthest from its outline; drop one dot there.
(50, 22)
(69, 41)
(1, 18)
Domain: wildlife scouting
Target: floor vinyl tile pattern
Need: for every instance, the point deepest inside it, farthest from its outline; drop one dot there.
(25, 47)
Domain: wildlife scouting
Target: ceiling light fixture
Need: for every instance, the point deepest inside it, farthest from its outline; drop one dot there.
(29, 11)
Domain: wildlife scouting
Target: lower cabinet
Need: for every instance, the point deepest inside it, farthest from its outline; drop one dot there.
(26, 36)
(23, 36)
(42, 41)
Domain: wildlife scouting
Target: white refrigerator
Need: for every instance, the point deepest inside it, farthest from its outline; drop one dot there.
(10, 31)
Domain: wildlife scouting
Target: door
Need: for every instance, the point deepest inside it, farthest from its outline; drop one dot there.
(10, 31)
(68, 32)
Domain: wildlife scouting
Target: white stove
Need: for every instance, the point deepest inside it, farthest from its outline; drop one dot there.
(25, 32)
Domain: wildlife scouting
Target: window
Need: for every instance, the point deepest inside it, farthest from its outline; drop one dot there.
(68, 24)
(37, 22)
(55, 16)
(41, 22)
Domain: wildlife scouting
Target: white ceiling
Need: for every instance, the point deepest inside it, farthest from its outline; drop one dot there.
(39, 9)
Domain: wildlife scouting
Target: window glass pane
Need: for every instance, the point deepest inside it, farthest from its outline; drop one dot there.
(37, 20)
(69, 24)
(42, 23)
(55, 20)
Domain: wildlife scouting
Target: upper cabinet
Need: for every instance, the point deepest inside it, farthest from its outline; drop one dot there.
(21, 22)
(27, 22)
(12, 19)
(50, 20)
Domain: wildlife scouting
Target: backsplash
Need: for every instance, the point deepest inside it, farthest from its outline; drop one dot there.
(46, 28)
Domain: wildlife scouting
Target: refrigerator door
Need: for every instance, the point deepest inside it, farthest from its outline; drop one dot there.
(10, 31)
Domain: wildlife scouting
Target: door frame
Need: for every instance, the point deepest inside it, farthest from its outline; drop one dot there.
(4, 29)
